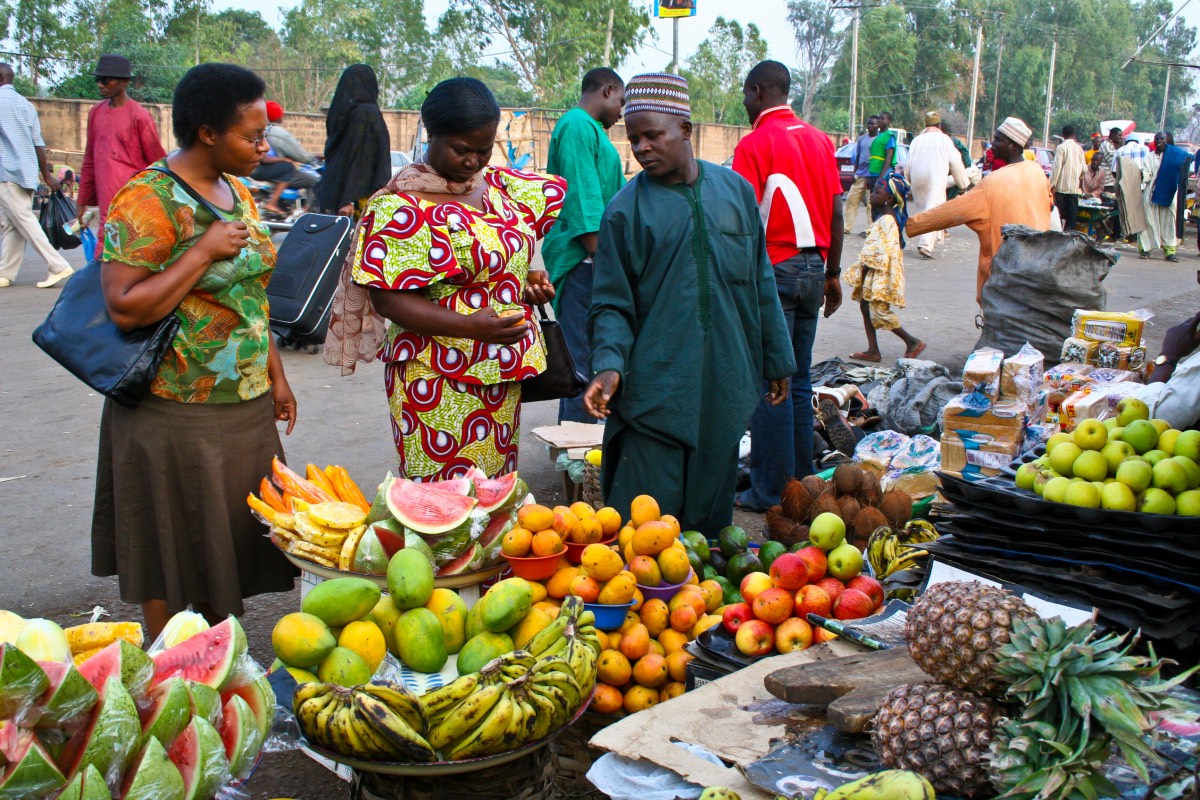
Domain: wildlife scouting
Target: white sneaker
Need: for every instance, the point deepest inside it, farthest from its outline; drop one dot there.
(56, 278)
(5, 283)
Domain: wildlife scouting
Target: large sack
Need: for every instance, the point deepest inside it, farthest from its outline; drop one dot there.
(1038, 280)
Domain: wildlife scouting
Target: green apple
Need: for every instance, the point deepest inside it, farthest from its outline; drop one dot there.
(1154, 456)
(1156, 501)
(1161, 425)
(1166, 441)
(1188, 503)
(1044, 476)
(1170, 476)
(1091, 465)
(844, 561)
(827, 531)
(1091, 434)
(1135, 474)
(1141, 435)
(1129, 409)
(1026, 475)
(1118, 497)
(1110, 423)
(1082, 494)
(1056, 489)
(1116, 434)
(1063, 456)
(1187, 444)
(1057, 439)
(1114, 453)
(1191, 468)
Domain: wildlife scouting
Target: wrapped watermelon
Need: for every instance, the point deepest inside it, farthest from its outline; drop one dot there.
(448, 546)
(370, 558)
(379, 507)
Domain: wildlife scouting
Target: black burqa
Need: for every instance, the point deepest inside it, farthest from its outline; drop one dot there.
(358, 158)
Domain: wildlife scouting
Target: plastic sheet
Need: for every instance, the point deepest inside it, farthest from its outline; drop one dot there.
(370, 558)
(626, 779)
(911, 400)
(181, 627)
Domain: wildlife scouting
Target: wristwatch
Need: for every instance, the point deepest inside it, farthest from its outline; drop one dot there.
(1162, 359)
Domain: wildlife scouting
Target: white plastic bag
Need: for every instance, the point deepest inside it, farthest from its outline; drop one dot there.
(629, 779)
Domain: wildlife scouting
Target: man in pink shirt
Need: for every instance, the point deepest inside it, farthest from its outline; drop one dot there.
(121, 138)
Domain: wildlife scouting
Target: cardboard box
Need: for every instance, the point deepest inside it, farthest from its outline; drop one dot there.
(982, 371)
(976, 454)
(1001, 420)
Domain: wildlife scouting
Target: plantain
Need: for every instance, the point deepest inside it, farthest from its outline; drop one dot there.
(306, 691)
(465, 716)
(391, 727)
(586, 618)
(892, 784)
(374, 742)
(324, 720)
(582, 661)
(439, 701)
(340, 726)
(560, 705)
(402, 701)
(487, 737)
(544, 638)
(544, 713)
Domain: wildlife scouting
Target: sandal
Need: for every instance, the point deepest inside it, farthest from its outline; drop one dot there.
(837, 430)
(865, 357)
(916, 351)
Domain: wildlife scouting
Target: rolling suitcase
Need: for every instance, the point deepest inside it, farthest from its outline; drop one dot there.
(306, 275)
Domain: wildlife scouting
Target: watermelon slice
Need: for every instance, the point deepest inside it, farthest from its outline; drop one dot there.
(152, 776)
(205, 702)
(496, 493)
(260, 697)
(22, 682)
(30, 771)
(379, 508)
(239, 732)
(391, 536)
(211, 657)
(461, 486)
(501, 522)
(110, 737)
(199, 755)
(462, 563)
(88, 784)
(70, 696)
(121, 660)
(168, 713)
(428, 510)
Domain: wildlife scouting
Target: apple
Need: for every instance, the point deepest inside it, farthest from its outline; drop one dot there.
(818, 564)
(1154, 456)
(1110, 423)
(827, 531)
(1063, 457)
(853, 604)
(1091, 434)
(1130, 409)
(1160, 425)
(1056, 489)
(1187, 504)
(1057, 439)
(754, 584)
(868, 586)
(1114, 453)
(1116, 434)
(1136, 474)
(845, 561)
(1187, 444)
(774, 605)
(789, 571)
(1044, 476)
(833, 587)
(1166, 441)
(1026, 475)
(1083, 495)
(1142, 436)
(1117, 496)
(1156, 501)
(1191, 468)
(1170, 476)
(793, 634)
(821, 635)
(754, 638)
(812, 599)
(1091, 465)
(735, 615)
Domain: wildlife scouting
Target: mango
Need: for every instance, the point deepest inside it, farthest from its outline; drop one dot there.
(674, 565)
(481, 649)
(505, 604)
(618, 591)
(652, 538)
(646, 570)
(385, 615)
(366, 639)
(530, 625)
(410, 579)
(344, 667)
(550, 608)
(643, 509)
(420, 640)
(452, 613)
(601, 562)
(341, 600)
(474, 624)
(302, 640)
(559, 584)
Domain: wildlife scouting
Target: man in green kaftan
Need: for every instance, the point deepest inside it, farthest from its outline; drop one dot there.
(685, 321)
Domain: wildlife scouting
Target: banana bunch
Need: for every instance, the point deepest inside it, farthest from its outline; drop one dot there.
(892, 784)
(373, 722)
(898, 556)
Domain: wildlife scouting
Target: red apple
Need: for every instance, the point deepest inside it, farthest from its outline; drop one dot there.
(755, 638)
(853, 604)
(793, 634)
(812, 599)
(789, 571)
(754, 584)
(774, 605)
(734, 615)
(868, 586)
(821, 635)
(817, 563)
(833, 587)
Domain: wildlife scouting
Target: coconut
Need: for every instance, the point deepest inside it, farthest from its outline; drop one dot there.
(779, 529)
(870, 493)
(824, 503)
(848, 509)
(814, 485)
(896, 505)
(799, 533)
(866, 522)
(846, 479)
(795, 500)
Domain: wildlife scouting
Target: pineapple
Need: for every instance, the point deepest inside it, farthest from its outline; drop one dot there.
(940, 732)
(955, 630)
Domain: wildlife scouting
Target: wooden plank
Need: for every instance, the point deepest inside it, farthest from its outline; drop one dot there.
(851, 687)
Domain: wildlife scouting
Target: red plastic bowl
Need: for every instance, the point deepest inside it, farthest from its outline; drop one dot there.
(575, 550)
(535, 568)
(664, 593)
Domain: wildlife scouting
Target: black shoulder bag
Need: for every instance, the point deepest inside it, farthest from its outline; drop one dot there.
(80, 335)
(560, 378)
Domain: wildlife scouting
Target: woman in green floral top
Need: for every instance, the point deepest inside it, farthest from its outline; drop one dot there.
(170, 518)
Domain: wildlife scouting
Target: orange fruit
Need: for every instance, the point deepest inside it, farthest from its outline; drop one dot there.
(677, 665)
(516, 543)
(613, 668)
(671, 690)
(610, 521)
(639, 698)
(672, 640)
(535, 518)
(607, 699)
(635, 642)
(547, 543)
(584, 587)
(559, 585)
(650, 670)
(643, 509)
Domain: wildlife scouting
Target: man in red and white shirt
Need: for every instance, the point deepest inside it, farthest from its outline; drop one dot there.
(792, 167)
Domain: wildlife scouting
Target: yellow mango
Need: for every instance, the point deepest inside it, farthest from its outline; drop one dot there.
(617, 591)
(601, 562)
(674, 565)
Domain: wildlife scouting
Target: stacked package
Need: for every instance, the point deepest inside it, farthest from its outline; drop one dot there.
(1102, 362)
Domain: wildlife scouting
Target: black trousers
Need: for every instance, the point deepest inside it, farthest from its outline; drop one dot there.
(1068, 209)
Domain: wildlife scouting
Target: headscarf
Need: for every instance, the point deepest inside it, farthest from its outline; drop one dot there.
(898, 187)
(357, 145)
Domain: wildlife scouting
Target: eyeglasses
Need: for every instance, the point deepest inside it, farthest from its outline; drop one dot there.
(257, 140)
(100, 79)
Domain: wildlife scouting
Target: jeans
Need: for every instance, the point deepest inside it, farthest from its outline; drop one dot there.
(574, 302)
(781, 437)
(1068, 209)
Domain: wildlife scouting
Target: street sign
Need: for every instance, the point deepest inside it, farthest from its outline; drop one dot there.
(674, 9)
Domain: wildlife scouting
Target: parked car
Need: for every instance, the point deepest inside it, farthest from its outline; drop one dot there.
(1044, 156)
(845, 156)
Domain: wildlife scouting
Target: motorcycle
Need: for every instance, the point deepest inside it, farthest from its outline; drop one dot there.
(295, 202)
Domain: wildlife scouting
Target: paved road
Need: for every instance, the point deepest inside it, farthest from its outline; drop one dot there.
(50, 425)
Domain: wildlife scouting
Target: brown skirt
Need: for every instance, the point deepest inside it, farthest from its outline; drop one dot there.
(170, 518)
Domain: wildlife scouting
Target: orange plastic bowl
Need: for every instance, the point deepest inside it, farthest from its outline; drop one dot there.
(575, 550)
(534, 568)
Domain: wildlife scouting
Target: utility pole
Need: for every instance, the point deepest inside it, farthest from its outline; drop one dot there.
(1162, 121)
(974, 86)
(675, 45)
(608, 37)
(996, 83)
(854, 77)
(1049, 93)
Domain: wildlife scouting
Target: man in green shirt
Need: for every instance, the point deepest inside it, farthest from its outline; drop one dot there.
(686, 321)
(581, 152)
(883, 149)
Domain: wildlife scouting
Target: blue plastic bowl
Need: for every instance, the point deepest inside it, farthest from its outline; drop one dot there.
(609, 618)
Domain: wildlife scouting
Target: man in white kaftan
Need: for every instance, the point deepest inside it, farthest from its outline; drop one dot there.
(932, 158)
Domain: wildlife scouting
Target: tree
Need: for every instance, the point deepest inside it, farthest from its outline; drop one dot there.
(819, 37)
(718, 69)
(38, 31)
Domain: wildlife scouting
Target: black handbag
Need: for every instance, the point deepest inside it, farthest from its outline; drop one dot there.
(560, 379)
(80, 335)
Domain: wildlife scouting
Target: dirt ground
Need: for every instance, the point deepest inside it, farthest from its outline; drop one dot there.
(50, 424)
